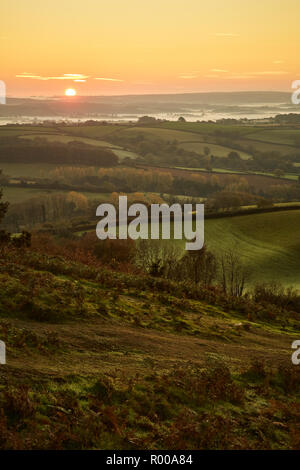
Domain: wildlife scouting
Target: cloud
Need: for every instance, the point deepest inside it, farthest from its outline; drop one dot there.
(66, 76)
(219, 70)
(236, 77)
(251, 75)
(269, 72)
(278, 62)
(109, 79)
(187, 77)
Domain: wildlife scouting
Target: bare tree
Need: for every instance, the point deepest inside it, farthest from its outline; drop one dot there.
(158, 258)
(200, 266)
(233, 274)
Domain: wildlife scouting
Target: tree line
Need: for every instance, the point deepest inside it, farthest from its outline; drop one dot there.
(14, 150)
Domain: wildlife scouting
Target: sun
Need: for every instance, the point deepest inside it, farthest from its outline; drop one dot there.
(70, 92)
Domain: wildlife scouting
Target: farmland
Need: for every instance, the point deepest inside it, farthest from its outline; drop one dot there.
(261, 240)
(267, 243)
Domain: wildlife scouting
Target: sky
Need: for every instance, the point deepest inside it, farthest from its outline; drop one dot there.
(117, 47)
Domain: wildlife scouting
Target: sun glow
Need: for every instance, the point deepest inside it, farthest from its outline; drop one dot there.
(70, 92)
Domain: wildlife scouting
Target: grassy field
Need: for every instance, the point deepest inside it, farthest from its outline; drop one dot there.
(191, 136)
(65, 139)
(215, 150)
(160, 133)
(260, 138)
(7, 131)
(94, 132)
(207, 128)
(278, 136)
(267, 243)
(198, 135)
(68, 134)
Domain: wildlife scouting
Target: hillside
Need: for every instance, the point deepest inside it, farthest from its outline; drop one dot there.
(104, 359)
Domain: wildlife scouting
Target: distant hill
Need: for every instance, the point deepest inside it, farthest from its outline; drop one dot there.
(156, 103)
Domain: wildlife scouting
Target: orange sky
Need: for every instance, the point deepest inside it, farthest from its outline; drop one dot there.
(139, 46)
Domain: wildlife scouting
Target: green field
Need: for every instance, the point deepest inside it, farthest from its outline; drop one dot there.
(191, 136)
(268, 243)
(65, 139)
(66, 135)
(215, 149)
(11, 131)
(277, 136)
(160, 133)
(194, 136)
(207, 128)
(94, 132)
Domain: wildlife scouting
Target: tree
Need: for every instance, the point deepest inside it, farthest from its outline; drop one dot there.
(200, 266)
(158, 258)
(233, 275)
(181, 119)
(234, 156)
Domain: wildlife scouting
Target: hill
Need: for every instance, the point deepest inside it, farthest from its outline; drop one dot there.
(102, 359)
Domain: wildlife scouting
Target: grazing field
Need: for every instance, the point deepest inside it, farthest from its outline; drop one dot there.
(155, 133)
(65, 139)
(95, 132)
(7, 131)
(207, 128)
(268, 243)
(278, 136)
(260, 138)
(215, 149)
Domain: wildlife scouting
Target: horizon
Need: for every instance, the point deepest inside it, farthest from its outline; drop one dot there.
(63, 96)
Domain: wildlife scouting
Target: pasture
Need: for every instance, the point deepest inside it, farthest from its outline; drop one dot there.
(215, 149)
(66, 139)
(267, 243)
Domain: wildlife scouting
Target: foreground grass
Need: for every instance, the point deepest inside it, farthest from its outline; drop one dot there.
(103, 360)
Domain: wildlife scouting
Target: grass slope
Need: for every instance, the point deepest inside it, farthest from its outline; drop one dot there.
(267, 243)
(102, 360)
